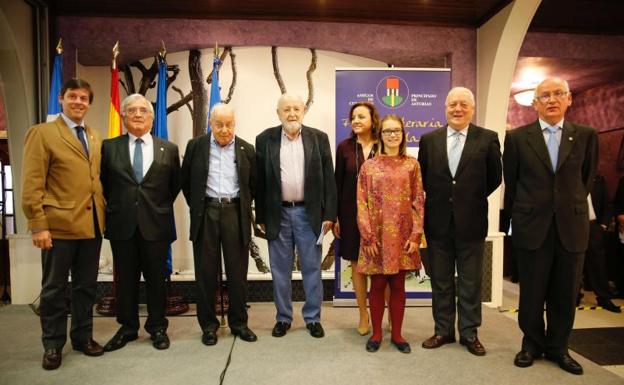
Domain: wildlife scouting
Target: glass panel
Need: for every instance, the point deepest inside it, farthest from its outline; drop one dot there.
(9, 203)
(8, 177)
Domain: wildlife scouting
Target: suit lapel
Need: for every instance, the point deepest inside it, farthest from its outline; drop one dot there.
(124, 150)
(159, 153)
(535, 137)
(440, 146)
(238, 151)
(308, 148)
(469, 146)
(568, 137)
(274, 151)
(68, 136)
(205, 150)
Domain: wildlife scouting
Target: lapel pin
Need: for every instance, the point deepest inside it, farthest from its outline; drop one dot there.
(162, 149)
(242, 148)
(570, 138)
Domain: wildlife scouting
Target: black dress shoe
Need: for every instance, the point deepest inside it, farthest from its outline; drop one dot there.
(436, 341)
(52, 358)
(119, 340)
(209, 338)
(524, 359)
(89, 348)
(280, 329)
(404, 347)
(316, 329)
(566, 363)
(474, 345)
(160, 340)
(372, 346)
(607, 304)
(245, 334)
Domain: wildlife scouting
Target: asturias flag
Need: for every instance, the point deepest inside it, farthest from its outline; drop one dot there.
(160, 121)
(54, 106)
(215, 91)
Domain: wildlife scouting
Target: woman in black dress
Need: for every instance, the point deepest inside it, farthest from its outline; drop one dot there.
(350, 154)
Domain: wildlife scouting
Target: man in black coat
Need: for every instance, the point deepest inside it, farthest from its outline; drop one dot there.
(218, 182)
(549, 166)
(296, 201)
(595, 267)
(140, 175)
(461, 167)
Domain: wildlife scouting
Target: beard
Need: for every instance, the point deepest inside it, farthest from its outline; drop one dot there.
(291, 127)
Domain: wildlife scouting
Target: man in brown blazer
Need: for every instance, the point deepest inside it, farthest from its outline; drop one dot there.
(63, 202)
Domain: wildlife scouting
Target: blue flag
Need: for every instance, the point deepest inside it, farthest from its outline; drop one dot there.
(215, 90)
(160, 123)
(54, 106)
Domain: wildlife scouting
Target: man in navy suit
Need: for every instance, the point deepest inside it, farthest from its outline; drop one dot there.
(140, 174)
(549, 166)
(296, 201)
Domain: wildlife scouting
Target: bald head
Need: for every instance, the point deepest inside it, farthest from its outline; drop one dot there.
(222, 122)
(552, 99)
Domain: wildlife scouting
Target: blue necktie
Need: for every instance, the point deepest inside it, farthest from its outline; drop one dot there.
(137, 161)
(455, 152)
(83, 140)
(553, 146)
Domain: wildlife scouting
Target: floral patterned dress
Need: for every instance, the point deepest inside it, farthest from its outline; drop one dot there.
(390, 202)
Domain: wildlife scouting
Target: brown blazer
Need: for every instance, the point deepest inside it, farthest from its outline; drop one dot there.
(60, 182)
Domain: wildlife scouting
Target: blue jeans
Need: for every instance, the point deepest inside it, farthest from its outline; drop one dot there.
(295, 230)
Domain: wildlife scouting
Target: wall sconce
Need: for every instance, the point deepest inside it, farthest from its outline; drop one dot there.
(525, 98)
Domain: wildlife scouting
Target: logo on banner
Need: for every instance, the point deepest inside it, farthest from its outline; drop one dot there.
(392, 91)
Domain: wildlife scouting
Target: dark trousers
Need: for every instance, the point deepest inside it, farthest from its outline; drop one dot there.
(550, 275)
(444, 256)
(132, 257)
(221, 229)
(81, 258)
(596, 262)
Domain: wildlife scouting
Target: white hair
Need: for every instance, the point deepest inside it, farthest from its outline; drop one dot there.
(566, 86)
(131, 98)
(288, 96)
(220, 108)
(456, 90)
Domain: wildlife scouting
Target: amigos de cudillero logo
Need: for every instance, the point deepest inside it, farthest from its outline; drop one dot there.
(392, 91)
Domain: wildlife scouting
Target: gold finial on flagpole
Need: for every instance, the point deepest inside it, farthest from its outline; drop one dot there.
(163, 51)
(59, 47)
(216, 50)
(115, 54)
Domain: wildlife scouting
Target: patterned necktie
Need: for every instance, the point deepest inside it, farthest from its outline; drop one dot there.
(455, 152)
(137, 161)
(83, 140)
(553, 146)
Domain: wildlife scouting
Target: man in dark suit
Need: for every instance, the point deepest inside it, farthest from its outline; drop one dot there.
(141, 179)
(218, 182)
(296, 202)
(549, 166)
(595, 266)
(63, 203)
(461, 167)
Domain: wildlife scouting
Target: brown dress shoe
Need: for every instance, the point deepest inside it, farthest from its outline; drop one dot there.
(89, 348)
(474, 345)
(436, 341)
(52, 358)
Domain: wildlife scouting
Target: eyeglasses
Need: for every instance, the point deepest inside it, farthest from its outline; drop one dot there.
(391, 132)
(545, 97)
(136, 110)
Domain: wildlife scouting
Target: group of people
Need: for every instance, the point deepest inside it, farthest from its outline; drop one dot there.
(378, 201)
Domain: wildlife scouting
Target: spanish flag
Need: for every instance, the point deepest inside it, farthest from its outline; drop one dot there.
(114, 117)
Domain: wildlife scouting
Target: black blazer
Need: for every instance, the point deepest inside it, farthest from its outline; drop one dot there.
(463, 198)
(535, 194)
(195, 178)
(320, 186)
(149, 204)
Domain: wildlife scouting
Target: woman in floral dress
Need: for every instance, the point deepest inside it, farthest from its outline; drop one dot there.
(390, 203)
